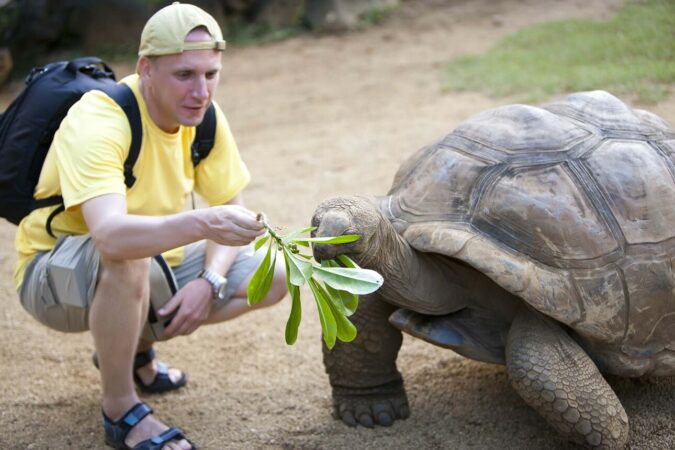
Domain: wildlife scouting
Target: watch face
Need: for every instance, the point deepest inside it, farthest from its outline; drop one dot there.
(221, 291)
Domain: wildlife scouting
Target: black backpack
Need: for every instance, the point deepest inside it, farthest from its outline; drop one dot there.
(28, 125)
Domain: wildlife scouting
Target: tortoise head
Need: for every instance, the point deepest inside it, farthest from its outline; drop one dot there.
(347, 215)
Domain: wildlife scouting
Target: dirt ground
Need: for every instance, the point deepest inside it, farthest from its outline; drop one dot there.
(314, 118)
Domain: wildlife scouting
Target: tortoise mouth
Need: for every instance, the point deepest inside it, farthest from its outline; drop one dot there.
(323, 252)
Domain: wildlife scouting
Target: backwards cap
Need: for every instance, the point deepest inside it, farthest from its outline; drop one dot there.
(165, 32)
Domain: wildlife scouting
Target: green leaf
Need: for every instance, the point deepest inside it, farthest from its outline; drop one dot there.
(299, 270)
(258, 276)
(346, 331)
(267, 282)
(344, 239)
(348, 302)
(347, 261)
(329, 263)
(326, 317)
(260, 242)
(356, 281)
(262, 279)
(295, 317)
(292, 236)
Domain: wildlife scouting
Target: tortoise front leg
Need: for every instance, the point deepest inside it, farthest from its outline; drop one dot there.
(367, 387)
(558, 379)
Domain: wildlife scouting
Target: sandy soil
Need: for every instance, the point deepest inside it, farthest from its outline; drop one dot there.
(316, 117)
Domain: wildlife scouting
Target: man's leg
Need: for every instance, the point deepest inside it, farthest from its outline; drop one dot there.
(116, 317)
(60, 290)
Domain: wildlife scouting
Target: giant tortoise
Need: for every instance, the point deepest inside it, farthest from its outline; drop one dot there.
(542, 238)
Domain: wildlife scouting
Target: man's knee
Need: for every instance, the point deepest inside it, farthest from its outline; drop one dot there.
(129, 275)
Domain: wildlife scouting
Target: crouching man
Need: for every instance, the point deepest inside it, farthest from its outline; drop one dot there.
(118, 248)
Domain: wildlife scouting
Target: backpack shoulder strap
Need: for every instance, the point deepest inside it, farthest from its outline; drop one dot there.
(124, 96)
(205, 136)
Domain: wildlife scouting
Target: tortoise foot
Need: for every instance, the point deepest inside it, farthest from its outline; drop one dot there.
(380, 405)
(557, 378)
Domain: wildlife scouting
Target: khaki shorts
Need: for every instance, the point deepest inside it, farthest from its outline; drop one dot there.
(59, 285)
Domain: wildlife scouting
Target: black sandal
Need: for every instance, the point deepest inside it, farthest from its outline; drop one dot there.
(162, 382)
(116, 431)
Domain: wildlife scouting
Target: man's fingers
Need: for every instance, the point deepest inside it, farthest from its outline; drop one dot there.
(170, 306)
(237, 236)
(247, 222)
(243, 217)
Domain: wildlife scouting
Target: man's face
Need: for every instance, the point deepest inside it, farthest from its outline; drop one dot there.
(179, 88)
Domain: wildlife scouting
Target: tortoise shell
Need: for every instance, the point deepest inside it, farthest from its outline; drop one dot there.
(570, 206)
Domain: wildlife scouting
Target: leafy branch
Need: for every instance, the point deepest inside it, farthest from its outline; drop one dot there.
(335, 284)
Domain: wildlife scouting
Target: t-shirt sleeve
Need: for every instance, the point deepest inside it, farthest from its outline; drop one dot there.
(221, 175)
(91, 146)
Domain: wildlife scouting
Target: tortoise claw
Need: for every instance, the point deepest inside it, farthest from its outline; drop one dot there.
(371, 408)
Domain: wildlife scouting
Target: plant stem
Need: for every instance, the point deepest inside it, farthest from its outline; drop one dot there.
(263, 219)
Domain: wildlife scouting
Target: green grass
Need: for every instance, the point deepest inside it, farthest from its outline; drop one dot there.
(631, 54)
(376, 16)
(251, 34)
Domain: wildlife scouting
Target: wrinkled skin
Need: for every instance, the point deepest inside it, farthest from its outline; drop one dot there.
(377, 397)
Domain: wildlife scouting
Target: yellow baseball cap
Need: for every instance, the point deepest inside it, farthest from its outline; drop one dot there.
(165, 32)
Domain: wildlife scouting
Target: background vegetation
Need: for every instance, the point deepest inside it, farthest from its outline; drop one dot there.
(36, 31)
(631, 54)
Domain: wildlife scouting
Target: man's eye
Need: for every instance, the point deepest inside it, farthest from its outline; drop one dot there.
(211, 75)
(183, 75)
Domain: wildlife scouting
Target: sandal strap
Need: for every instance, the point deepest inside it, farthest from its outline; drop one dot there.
(166, 436)
(162, 368)
(117, 430)
(157, 442)
(144, 358)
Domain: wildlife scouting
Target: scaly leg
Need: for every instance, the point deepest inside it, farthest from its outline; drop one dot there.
(367, 387)
(558, 379)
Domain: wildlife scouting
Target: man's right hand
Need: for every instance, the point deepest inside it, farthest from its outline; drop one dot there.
(232, 225)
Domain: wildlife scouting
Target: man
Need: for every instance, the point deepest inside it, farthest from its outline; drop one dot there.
(100, 274)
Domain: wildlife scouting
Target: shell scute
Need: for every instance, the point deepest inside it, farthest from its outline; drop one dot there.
(443, 196)
(642, 201)
(542, 212)
(520, 128)
(650, 282)
(605, 308)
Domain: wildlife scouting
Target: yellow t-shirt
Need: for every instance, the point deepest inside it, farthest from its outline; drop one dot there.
(86, 160)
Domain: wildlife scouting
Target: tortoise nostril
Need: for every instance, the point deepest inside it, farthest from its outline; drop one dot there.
(333, 223)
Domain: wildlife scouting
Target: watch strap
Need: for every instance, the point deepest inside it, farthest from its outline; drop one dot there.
(214, 279)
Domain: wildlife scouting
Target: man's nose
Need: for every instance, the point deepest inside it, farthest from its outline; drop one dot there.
(200, 89)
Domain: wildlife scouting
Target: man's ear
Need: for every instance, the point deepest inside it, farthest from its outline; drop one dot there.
(144, 67)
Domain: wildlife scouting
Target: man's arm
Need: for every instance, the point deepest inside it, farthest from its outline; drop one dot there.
(195, 298)
(118, 235)
(219, 257)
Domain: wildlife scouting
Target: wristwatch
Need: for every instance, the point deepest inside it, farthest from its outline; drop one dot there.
(217, 282)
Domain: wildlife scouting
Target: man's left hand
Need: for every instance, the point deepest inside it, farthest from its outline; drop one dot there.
(193, 302)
